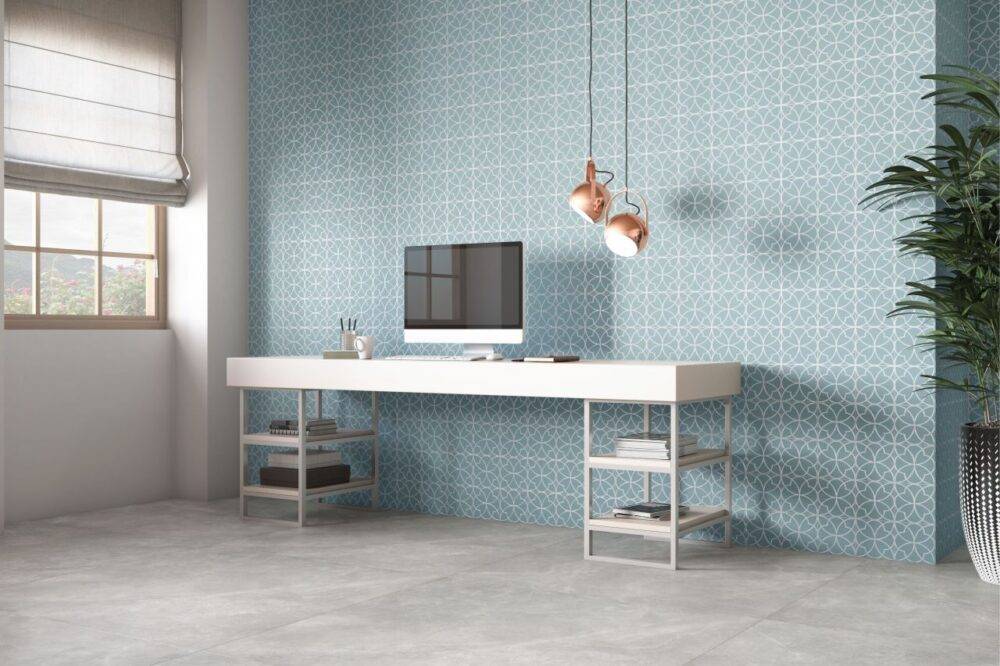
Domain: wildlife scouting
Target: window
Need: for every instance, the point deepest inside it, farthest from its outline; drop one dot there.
(74, 262)
(434, 285)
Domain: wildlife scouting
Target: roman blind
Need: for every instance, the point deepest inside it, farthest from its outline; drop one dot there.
(92, 99)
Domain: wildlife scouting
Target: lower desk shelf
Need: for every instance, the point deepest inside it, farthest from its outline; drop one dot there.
(278, 492)
(697, 517)
(292, 441)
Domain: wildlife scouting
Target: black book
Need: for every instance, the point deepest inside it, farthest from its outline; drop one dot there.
(317, 477)
(652, 510)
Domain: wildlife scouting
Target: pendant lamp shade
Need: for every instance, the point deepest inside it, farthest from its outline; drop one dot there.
(590, 198)
(626, 234)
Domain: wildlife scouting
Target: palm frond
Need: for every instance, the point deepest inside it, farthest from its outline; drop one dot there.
(959, 178)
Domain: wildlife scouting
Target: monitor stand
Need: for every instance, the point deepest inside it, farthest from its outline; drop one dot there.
(480, 349)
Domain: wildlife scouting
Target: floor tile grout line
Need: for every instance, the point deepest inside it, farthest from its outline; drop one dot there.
(370, 599)
(771, 615)
(724, 641)
(192, 653)
(326, 612)
(101, 630)
(768, 616)
(813, 625)
(937, 640)
(231, 639)
(812, 591)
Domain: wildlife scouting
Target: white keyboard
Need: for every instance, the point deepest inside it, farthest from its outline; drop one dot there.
(434, 358)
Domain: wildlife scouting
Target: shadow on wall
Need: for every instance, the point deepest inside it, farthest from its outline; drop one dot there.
(816, 467)
(701, 202)
(567, 299)
(773, 238)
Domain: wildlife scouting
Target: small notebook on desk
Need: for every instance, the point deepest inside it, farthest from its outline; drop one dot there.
(548, 359)
(340, 353)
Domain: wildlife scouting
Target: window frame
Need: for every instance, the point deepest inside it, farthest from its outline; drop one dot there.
(458, 270)
(96, 321)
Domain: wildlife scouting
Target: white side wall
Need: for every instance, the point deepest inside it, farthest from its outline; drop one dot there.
(228, 232)
(98, 419)
(87, 420)
(3, 487)
(89, 424)
(187, 269)
(208, 247)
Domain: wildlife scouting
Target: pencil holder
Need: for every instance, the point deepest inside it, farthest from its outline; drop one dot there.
(347, 340)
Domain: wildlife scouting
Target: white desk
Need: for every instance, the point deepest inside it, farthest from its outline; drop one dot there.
(643, 382)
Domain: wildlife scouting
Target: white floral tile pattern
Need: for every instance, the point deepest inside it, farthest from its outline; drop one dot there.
(984, 36)
(755, 127)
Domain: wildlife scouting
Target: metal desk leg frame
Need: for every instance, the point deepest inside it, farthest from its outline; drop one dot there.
(302, 506)
(675, 494)
(375, 451)
(301, 496)
(588, 536)
(243, 453)
(647, 477)
(675, 485)
(588, 533)
(728, 471)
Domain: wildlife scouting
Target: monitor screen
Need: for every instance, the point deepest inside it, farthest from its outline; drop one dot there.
(466, 286)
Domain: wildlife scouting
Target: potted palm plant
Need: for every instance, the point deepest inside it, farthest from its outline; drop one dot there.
(961, 301)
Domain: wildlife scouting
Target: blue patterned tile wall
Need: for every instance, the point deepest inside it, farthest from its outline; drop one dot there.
(952, 39)
(755, 127)
(984, 36)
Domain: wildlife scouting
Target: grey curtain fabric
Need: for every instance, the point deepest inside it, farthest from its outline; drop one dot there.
(92, 99)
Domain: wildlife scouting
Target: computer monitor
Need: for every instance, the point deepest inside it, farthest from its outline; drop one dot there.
(469, 293)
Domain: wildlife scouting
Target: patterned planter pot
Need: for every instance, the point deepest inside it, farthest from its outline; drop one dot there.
(979, 492)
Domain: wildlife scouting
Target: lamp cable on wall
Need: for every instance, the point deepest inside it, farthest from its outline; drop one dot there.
(627, 200)
(590, 198)
(590, 89)
(626, 234)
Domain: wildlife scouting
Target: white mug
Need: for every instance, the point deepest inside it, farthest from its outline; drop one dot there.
(365, 345)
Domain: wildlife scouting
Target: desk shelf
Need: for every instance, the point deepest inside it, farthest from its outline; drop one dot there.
(692, 461)
(697, 517)
(280, 492)
(292, 441)
(301, 443)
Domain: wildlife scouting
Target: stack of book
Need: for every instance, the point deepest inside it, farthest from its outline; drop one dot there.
(323, 468)
(313, 427)
(647, 511)
(653, 445)
(314, 458)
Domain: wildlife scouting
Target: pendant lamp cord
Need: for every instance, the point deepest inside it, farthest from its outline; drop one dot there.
(627, 201)
(590, 78)
(590, 88)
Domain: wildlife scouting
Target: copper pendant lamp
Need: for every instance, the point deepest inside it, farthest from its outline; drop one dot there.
(591, 198)
(626, 234)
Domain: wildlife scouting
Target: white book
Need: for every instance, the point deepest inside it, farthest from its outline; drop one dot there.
(633, 447)
(314, 459)
(652, 455)
(654, 440)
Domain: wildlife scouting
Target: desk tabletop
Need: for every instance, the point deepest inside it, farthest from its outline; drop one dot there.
(625, 380)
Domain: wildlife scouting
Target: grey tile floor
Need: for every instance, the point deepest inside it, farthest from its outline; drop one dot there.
(189, 583)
